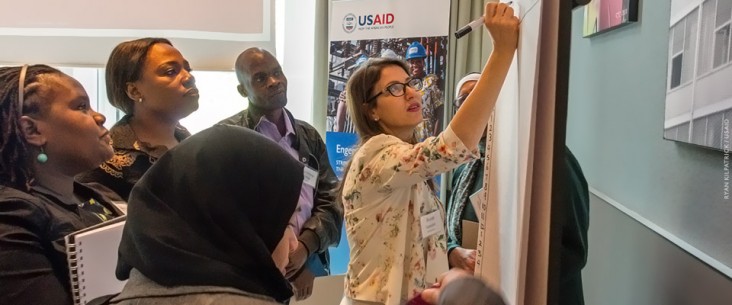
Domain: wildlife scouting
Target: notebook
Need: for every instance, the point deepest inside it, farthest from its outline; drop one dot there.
(92, 257)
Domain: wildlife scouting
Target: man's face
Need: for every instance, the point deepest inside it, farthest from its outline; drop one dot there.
(264, 82)
(416, 66)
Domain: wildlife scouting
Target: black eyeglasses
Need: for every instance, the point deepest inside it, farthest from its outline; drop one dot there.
(398, 89)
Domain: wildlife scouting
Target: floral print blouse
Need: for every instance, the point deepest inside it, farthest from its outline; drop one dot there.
(385, 194)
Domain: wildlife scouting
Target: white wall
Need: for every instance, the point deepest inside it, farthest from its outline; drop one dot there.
(295, 26)
(295, 51)
(83, 32)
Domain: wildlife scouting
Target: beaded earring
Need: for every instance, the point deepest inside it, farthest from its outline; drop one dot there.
(42, 156)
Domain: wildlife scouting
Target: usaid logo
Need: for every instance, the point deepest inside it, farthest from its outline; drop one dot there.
(376, 19)
(352, 22)
(349, 23)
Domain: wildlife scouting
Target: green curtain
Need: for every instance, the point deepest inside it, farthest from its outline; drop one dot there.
(467, 54)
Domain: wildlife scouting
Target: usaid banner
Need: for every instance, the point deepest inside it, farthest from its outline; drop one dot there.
(413, 30)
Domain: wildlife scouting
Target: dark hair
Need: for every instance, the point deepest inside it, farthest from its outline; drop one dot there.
(359, 89)
(125, 66)
(469, 290)
(15, 166)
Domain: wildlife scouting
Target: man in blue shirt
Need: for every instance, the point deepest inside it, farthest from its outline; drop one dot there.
(318, 217)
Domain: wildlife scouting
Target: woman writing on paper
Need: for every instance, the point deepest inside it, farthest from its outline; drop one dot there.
(48, 134)
(394, 222)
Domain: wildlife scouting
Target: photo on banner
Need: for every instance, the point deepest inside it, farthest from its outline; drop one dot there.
(426, 57)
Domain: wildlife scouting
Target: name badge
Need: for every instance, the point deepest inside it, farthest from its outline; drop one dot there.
(432, 224)
(310, 176)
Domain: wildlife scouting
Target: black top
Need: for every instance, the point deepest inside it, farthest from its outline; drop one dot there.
(211, 211)
(132, 158)
(575, 223)
(33, 265)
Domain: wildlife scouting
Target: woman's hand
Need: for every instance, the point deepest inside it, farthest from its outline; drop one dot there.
(502, 25)
(463, 258)
(471, 119)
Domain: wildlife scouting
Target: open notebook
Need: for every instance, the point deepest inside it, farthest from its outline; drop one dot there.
(92, 257)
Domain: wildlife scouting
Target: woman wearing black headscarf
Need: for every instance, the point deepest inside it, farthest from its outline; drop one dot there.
(208, 223)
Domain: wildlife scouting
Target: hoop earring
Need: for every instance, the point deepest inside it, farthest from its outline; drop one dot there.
(42, 156)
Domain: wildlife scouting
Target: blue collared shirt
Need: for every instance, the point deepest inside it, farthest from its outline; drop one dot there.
(269, 130)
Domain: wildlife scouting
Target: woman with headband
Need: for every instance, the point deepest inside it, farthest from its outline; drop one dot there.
(48, 134)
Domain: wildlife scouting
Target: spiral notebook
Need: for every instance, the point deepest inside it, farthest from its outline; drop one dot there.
(92, 257)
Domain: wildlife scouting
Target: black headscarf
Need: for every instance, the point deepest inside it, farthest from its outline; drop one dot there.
(211, 211)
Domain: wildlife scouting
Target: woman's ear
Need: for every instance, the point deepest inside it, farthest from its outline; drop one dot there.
(31, 131)
(373, 115)
(133, 93)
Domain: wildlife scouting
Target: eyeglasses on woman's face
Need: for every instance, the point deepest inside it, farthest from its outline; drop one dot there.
(398, 89)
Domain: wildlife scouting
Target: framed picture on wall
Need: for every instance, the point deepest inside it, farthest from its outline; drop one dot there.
(699, 70)
(605, 15)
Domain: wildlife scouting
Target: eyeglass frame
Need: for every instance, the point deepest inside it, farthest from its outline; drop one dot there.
(404, 90)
